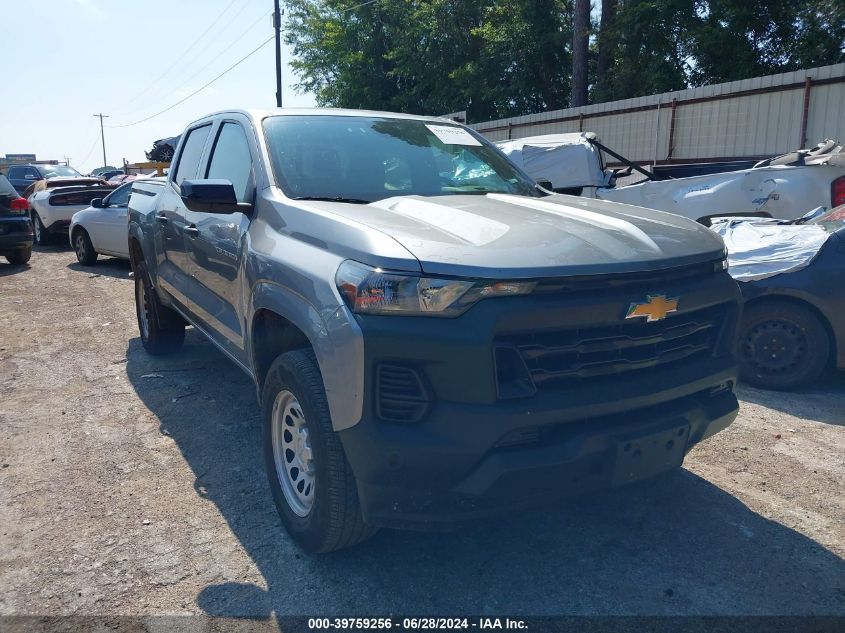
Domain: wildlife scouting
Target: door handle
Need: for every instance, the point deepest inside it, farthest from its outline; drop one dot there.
(161, 218)
(192, 230)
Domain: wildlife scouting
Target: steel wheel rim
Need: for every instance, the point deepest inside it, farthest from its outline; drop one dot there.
(775, 347)
(292, 453)
(80, 247)
(141, 300)
(37, 229)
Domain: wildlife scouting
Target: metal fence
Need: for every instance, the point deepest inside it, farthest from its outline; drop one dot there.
(739, 120)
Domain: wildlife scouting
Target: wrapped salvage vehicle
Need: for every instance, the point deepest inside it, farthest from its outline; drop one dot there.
(792, 277)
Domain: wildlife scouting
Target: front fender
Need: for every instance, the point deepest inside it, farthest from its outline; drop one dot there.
(336, 339)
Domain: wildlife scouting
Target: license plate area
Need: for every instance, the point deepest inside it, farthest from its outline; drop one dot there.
(645, 456)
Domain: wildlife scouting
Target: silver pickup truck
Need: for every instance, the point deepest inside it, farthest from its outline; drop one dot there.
(433, 336)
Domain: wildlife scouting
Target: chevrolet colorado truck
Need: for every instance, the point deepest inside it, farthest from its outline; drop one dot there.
(433, 337)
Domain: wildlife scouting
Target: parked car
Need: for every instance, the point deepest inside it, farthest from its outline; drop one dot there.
(51, 208)
(110, 173)
(101, 228)
(432, 336)
(163, 149)
(15, 229)
(792, 278)
(22, 176)
(784, 187)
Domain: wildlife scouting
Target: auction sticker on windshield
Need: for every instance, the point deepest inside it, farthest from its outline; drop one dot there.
(452, 135)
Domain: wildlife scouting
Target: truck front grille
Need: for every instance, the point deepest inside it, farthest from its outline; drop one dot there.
(576, 356)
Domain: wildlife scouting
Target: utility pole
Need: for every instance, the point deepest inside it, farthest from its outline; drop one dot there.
(277, 24)
(102, 136)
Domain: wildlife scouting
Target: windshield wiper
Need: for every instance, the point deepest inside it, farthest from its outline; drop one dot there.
(334, 199)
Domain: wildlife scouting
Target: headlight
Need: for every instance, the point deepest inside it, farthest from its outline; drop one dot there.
(720, 265)
(369, 290)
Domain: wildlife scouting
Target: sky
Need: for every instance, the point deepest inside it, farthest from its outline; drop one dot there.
(65, 60)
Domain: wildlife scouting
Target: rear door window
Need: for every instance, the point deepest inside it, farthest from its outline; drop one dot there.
(189, 159)
(231, 160)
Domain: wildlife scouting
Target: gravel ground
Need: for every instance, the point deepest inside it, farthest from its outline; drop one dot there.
(132, 485)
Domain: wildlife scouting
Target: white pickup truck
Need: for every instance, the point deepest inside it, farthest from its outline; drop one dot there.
(784, 187)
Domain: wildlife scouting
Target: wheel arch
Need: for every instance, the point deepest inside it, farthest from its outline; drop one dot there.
(801, 300)
(271, 334)
(282, 320)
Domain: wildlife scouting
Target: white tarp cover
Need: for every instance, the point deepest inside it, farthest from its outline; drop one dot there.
(567, 160)
(762, 248)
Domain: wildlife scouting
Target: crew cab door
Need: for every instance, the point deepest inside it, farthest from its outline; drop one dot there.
(174, 272)
(216, 242)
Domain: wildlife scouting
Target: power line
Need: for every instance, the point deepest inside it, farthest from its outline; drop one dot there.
(358, 6)
(200, 89)
(90, 151)
(182, 56)
(235, 41)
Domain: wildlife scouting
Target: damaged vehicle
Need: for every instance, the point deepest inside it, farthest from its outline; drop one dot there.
(792, 278)
(53, 203)
(433, 338)
(163, 149)
(784, 187)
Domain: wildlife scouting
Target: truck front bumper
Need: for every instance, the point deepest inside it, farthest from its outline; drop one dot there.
(448, 435)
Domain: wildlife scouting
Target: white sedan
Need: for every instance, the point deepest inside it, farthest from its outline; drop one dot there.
(102, 228)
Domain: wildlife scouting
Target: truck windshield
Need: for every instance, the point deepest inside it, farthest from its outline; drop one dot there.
(364, 159)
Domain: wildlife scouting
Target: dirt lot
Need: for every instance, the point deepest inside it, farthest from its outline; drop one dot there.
(133, 485)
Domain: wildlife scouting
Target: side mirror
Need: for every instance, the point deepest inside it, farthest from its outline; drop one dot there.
(545, 183)
(212, 196)
(97, 203)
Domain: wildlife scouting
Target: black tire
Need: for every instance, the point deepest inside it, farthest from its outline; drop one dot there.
(333, 521)
(42, 237)
(20, 256)
(782, 345)
(162, 329)
(83, 247)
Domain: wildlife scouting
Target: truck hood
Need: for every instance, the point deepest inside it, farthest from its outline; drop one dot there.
(506, 236)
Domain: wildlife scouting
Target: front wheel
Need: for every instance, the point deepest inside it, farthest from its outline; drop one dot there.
(311, 481)
(162, 330)
(782, 345)
(20, 256)
(83, 247)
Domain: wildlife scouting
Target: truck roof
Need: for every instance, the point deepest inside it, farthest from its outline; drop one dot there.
(258, 114)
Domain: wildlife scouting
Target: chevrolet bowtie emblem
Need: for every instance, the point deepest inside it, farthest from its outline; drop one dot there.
(656, 308)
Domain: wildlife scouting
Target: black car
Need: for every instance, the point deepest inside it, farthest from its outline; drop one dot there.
(22, 176)
(793, 324)
(15, 227)
(163, 149)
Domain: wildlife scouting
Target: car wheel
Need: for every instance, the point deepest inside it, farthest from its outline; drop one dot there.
(782, 345)
(311, 481)
(20, 256)
(85, 252)
(162, 329)
(42, 237)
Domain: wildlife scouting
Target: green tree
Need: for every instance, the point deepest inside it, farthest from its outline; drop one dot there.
(493, 58)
